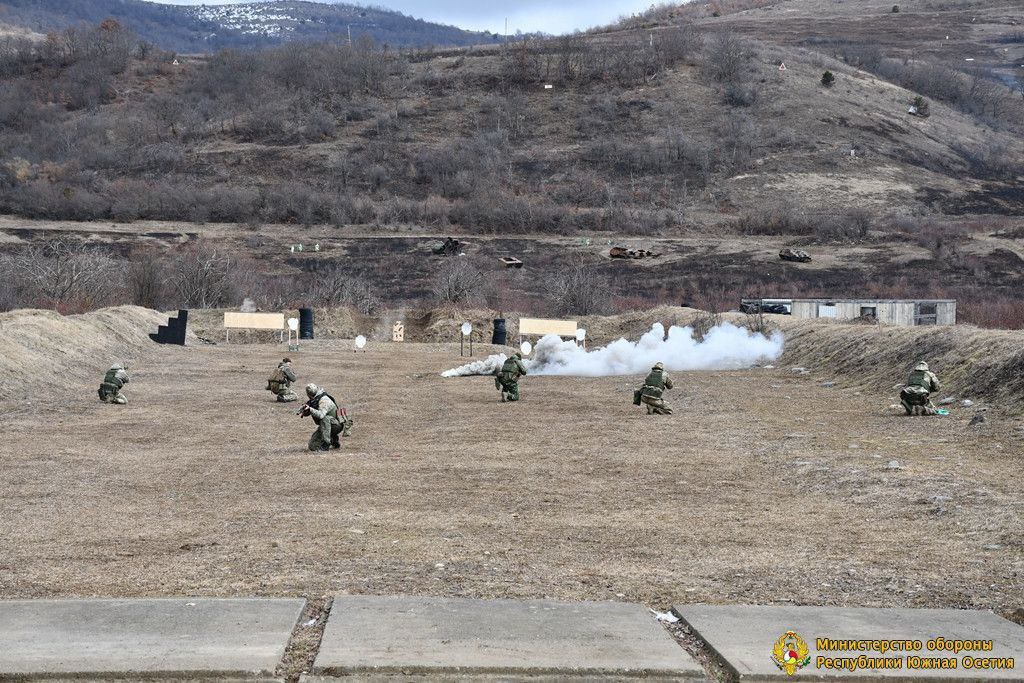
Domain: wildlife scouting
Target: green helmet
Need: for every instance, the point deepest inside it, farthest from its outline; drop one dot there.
(312, 390)
(658, 366)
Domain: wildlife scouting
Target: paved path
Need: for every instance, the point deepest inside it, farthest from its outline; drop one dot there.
(744, 637)
(178, 637)
(511, 637)
(420, 639)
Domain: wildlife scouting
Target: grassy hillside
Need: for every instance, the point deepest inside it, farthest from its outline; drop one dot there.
(669, 131)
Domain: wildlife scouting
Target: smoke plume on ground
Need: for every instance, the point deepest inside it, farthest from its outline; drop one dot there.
(725, 346)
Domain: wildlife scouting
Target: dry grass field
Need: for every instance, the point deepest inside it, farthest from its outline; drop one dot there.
(764, 487)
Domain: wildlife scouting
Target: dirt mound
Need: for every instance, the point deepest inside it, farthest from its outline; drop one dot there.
(329, 323)
(44, 350)
(971, 362)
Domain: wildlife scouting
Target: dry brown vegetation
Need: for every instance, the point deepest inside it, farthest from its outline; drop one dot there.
(673, 129)
(780, 490)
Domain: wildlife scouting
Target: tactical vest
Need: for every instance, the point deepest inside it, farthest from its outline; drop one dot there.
(656, 379)
(510, 370)
(111, 379)
(314, 404)
(654, 385)
(919, 378)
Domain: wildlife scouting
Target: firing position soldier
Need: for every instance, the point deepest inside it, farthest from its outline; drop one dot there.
(331, 421)
(915, 397)
(280, 382)
(650, 394)
(507, 381)
(113, 382)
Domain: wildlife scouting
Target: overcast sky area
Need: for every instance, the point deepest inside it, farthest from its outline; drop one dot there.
(549, 16)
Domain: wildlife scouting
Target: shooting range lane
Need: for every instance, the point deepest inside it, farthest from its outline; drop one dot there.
(763, 484)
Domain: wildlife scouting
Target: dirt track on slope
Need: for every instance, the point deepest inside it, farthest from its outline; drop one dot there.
(765, 487)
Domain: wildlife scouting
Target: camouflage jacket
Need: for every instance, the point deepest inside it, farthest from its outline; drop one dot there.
(656, 382)
(512, 369)
(283, 375)
(116, 377)
(322, 406)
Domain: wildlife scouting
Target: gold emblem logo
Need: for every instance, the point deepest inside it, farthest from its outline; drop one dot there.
(790, 653)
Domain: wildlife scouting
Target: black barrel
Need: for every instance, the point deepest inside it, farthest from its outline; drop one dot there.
(305, 323)
(500, 335)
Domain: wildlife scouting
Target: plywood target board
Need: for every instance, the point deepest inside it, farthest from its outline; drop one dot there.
(235, 320)
(543, 326)
(398, 332)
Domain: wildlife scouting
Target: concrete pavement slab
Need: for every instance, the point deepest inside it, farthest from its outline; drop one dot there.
(519, 638)
(185, 637)
(746, 636)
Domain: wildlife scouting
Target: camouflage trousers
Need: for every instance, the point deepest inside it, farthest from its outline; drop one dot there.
(111, 394)
(509, 389)
(915, 401)
(329, 432)
(656, 406)
(283, 392)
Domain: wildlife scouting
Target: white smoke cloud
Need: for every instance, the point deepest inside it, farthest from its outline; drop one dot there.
(725, 346)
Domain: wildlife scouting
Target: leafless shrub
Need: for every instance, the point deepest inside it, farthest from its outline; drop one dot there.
(458, 282)
(64, 273)
(778, 219)
(148, 280)
(578, 289)
(201, 276)
(704, 323)
(334, 286)
(991, 159)
(727, 58)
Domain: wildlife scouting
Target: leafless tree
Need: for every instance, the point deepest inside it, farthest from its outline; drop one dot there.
(148, 280)
(727, 58)
(65, 273)
(201, 276)
(334, 286)
(458, 282)
(578, 289)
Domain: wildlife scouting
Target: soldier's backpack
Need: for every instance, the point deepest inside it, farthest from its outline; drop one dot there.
(277, 378)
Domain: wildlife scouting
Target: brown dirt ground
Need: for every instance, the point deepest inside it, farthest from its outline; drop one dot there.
(764, 487)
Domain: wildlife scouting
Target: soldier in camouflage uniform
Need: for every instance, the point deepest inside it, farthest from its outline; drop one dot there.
(331, 422)
(280, 382)
(113, 382)
(650, 394)
(507, 381)
(915, 396)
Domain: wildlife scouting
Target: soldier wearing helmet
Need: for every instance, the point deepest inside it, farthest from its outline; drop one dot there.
(915, 397)
(650, 394)
(280, 382)
(331, 421)
(113, 382)
(507, 381)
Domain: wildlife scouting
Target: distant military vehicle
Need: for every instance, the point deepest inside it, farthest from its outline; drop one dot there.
(622, 252)
(450, 247)
(796, 255)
